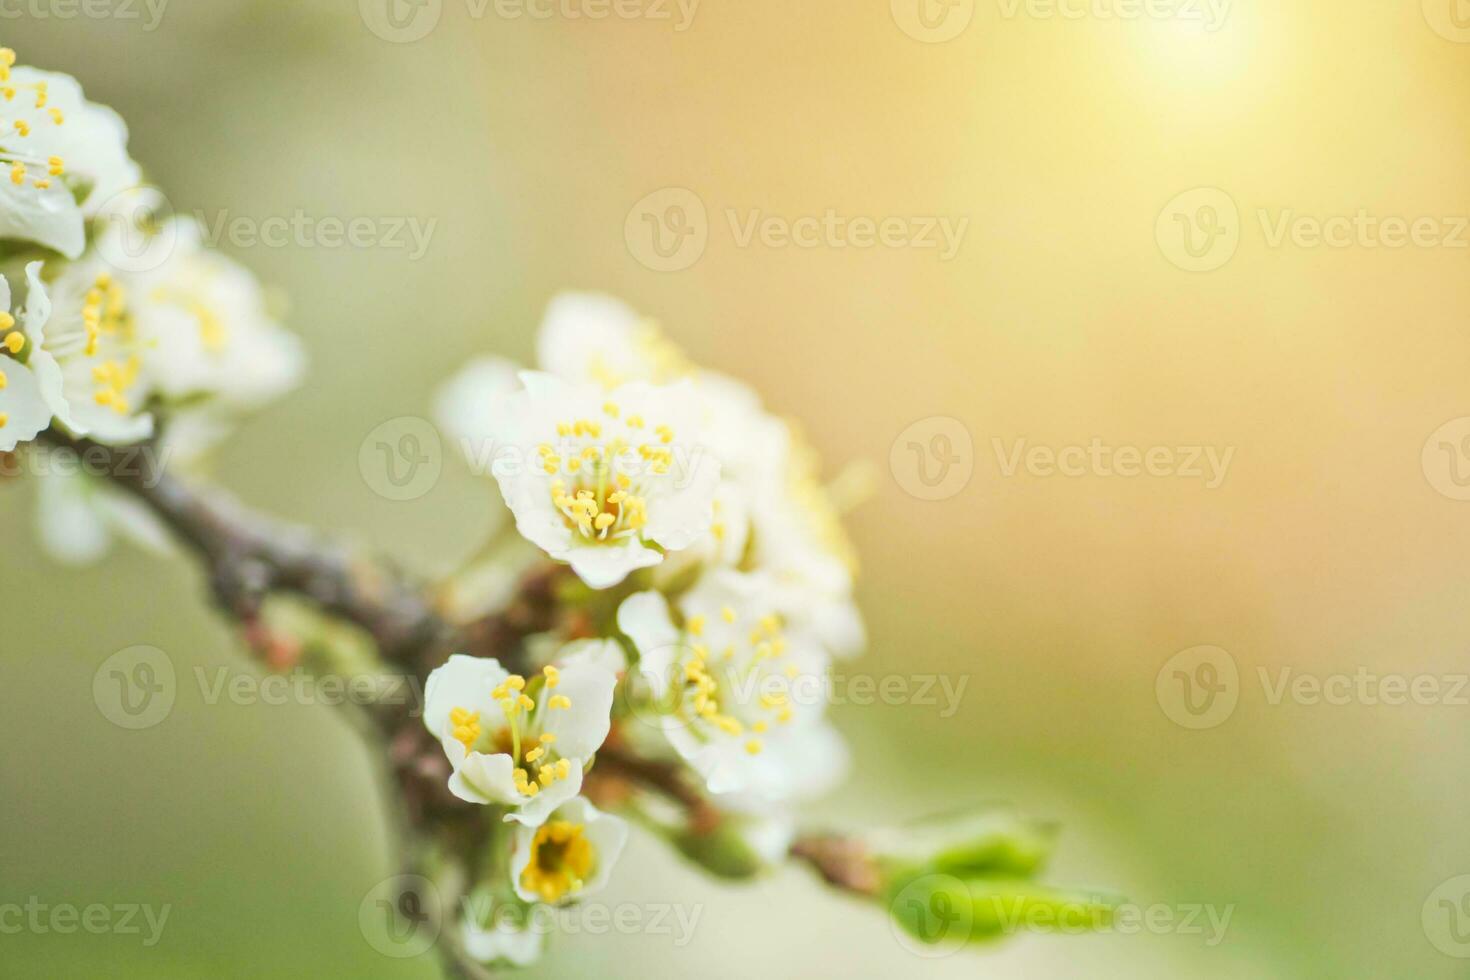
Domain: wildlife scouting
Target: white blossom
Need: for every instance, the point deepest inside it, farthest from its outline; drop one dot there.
(62, 157)
(30, 380)
(522, 743)
(737, 695)
(569, 856)
(607, 481)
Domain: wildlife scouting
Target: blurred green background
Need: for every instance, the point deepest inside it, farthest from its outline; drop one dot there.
(1060, 319)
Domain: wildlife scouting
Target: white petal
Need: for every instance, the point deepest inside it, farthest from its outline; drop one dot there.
(606, 833)
(468, 406)
(606, 655)
(482, 778)
(601, 566)
(460, 682)
(48, 217)
(581, 729)
(500, 943)
(591, 337)
(644, 617)
(27, 413)
(70, 527)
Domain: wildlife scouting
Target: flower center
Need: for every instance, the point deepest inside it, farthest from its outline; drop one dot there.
(21, 164)
(600, 500)
(524, 718)
(719, 686)
(562, 859)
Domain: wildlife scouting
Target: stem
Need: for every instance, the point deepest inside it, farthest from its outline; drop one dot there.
(248, 555)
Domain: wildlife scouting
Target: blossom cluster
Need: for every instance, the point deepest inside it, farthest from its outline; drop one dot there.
(112, 313)
(717, 581)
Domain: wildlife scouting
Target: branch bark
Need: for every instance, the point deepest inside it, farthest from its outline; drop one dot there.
(248, 555)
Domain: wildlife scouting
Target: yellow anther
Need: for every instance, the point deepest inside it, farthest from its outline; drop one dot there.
(547, 738)
(525, 702)
(56, 115)
(533, 754)
(559, 701)
(4, 419)
(696, 625)
(753, 746)
(55, 167)
(18, 174)
(22, 127)
(515, 682)
(611, 409)
(553, 676)
(727, 614)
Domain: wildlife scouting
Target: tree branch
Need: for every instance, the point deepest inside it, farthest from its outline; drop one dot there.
(248, 555)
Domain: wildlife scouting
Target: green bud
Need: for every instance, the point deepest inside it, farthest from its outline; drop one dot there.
(968, 844)
(943, 910)
(725, 851)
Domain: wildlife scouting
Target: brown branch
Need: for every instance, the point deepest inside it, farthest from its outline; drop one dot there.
(248, 555)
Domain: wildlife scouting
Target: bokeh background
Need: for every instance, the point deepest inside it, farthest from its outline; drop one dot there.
(1063, 316)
